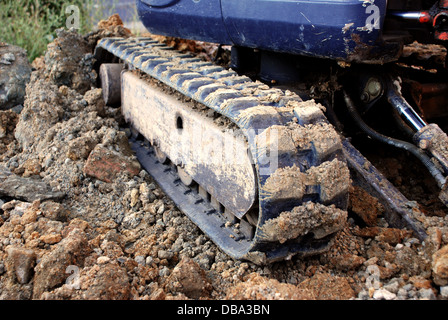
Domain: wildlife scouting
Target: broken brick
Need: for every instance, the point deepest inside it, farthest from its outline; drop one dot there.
(106, 165)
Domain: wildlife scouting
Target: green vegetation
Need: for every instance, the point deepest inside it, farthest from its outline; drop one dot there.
(31, 24)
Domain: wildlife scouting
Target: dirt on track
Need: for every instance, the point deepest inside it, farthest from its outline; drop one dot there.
(101, 228)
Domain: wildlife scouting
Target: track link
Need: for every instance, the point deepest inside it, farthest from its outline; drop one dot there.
(302, 177)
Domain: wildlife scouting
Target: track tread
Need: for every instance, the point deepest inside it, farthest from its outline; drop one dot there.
(257, 110)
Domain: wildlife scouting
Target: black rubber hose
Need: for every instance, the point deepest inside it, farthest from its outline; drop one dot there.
(421, 155)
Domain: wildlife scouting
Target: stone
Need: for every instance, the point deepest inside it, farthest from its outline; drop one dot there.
(365, 206)
(140, 260)
(157, 294)
(106, 165)
(426, 294)
(54, 211)
(102, 260)
(383, 294)
(20, 262)
(107, 281)
(51, 238)
(15, 73)
(164, 254)
(392, 287)
(392, 236)
(420, 283)
(402, 294)
(94, 96)
(51, 271)
(440, 266)
(257, 287)
(8, 122)
(27, 189)
(325, 286)
(134, 197)
(30, 213)
(69, 67)
(29, 168)
(190, 279)
(80, 147)
(347, 261)
(444, 291)
(411, 263)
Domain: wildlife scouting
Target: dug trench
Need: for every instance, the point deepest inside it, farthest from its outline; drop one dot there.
(114, 234)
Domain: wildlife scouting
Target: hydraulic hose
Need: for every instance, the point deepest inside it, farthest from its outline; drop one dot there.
(402, 106)
(421, 155)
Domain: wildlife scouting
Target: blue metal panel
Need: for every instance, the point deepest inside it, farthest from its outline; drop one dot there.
(188, 19)
(326, 28)
(337, 29)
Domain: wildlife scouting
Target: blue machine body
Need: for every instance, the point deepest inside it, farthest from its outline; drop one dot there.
(348, 30)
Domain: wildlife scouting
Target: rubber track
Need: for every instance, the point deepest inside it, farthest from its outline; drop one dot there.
(310, 163)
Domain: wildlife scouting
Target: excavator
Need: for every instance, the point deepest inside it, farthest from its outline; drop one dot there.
(260, 152)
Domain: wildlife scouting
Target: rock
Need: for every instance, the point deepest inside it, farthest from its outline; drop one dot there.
(80, 147)
(94, 96)
(113, 21)
(95, 101)
(15, 71)
(140, 260)
(134, 197)
(426, 294)
(257, 287)
(420, 283)
(30, 213)
(51, 238)
(402, 294)
(444, 291)
(110, 247)
(131, 221)
(392, 236)
(20, 261)
(102, 260)
(7, 58)
(393, 287)
(42, 109)
(107, 281)
(383, 294)
(112, 27)
(68, 61)
(15, 207)
(412, 263)
(435, 237)
(188, 278)
(28, 189)
(8, 122)
(347, 261)
(106, 165)
(325, 286)
(54, 211)
(440, 266)
(51, 270)
(29, 168)
(365, 206)
(163, 254)
(157, 294)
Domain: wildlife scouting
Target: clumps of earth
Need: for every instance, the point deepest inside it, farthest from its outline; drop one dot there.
(80, 219)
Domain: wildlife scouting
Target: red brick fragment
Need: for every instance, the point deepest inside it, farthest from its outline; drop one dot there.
(106, 165)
